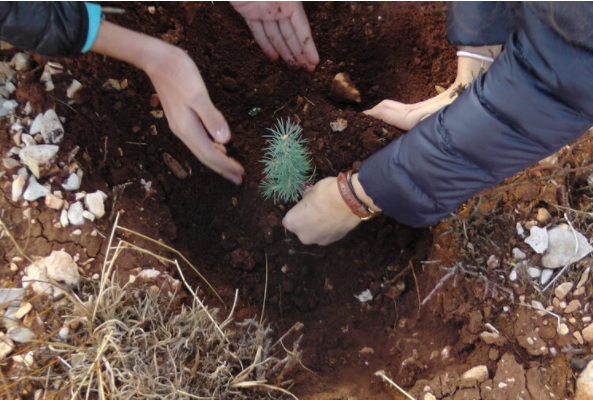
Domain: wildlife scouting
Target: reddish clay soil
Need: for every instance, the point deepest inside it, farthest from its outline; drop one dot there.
(390, 50)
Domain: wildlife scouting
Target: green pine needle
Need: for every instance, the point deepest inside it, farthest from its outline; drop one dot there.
(286, 161)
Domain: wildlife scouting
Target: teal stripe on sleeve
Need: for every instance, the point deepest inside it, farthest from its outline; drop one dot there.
(94, 12)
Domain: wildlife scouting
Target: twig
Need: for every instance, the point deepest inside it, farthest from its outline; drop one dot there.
(263, 308)
(386, 378)
(417, 287)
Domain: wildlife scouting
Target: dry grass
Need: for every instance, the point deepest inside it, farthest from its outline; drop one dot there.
(133, 341)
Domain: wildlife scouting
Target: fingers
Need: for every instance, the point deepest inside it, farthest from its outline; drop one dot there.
(292, 41)
(305, 38)
(275, 36)
(257, 28)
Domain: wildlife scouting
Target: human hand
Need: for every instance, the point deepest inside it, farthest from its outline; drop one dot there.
(406, 116)
(191, 114)
(321, 217)
(281, 29)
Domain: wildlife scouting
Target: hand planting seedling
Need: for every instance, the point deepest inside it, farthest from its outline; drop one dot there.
(286, 162)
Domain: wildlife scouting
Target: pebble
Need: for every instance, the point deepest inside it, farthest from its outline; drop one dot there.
(95, 277)
(493, 354)
(562, 245)
(21, 62)
(480, 373)
(563, 289)
(34, 190)
(338, 125)
(343, 90)
(72, 183)
(64, 218)
(534, 272)
(95, 203)
(23, 310)
(75, 214)
(584, 278)
(538, 239)
(51, 128)
(563, 329)
(53, 201)
(520, 230)
(585, 384)
(588, 333)
(572, 307)
(493, 262)
(579, 292)
(429, 396)
(513, 275)
(88, 215)
(492, 338)
(586, 319)
(39, 159)
(543, 216)
(6, 345)
(74, 87)
(14, 295)
(17, 188)
(10, 163)
(579, 337)
(21, 335)
(518, 254)
(77, 232)
(546, 275)
(64, 333)
(151, 274)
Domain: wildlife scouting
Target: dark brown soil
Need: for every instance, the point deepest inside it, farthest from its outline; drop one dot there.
(390, 50)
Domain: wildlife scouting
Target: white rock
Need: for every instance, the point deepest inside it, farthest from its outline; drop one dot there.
(10, 88)
(563, 329)
(584, 278)
(34, 190)
(520, 230)
(338, 125)
(9, 320)
(23, 310)
(546, 275)
(64, 218)
(429, 396)
(562, 246)
(17, 188)
(64, 333)
(75, 214)
(493, 262)
(79, 196)
(543, 216)
(58, 266)
(36, 125)
(88, 215)
(534, 272)
(74, 87)
(6, 345)
(58, 194)
(10, 163)
(53, 201)
(77, 232)
(538, 239)
(21, 335)
(518, 254)
(72, 183)
(573, 306)
(151, 273)
(12, 296)
(95, 203)
(39, 159)
(585, 384)
(21, 62)
(51, 128)
(27, 109)
(8, 106)
(27, 359)
(364, 296)
(46, 79)
(513, 276)
(28, 140)
(480, 373)
(563, 289)
(23, 172)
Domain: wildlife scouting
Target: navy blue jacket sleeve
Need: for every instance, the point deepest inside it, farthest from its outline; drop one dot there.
(57, 29)
(536, 98)
(483, 23)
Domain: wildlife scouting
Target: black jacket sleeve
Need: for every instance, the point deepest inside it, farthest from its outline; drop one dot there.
(51, 28)
(536, 97)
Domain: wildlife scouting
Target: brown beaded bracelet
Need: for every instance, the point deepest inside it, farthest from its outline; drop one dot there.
(358, 208)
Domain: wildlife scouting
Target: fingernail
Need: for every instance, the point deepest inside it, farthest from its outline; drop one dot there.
(221, 135)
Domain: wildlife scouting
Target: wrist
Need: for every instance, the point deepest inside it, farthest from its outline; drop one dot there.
(354, 197)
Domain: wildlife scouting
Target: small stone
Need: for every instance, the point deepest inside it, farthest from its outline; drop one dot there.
(17, 188)
(493, 262)
(367, 350)
(64, 218)
(584, 278)
(174, 166)
(21, 335)
(534, 272)
(493, 354)
(28, 140)
(112, 84)
(562, 247)
(12, 296)
(338, 125)
(23, 310)
(158, 114)
(75, 214)
(543, 216)
(577, 335)
(154, 100)
(72, 183)
(513, 276)
(10, 163)
(546, 275)
(34, 190)
(588, 333)
(579, 292)
(39, 159)
(77, 232)
(429, 396)
(149, 274)
(518, 254)
(21, 62)
(563, 289)
(343, 90)
(563, 329)
(53, 201)
(64, 333)
(520, 230)
(492, 338)
(538, 239)
(88, 215)
(94, 203)
(74, 87)
(95, 277)
(6, 345)
(480, 373)
(51, 128)
(572, 307)
(585, 384)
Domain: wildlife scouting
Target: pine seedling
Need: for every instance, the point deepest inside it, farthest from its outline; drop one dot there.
(286, 161)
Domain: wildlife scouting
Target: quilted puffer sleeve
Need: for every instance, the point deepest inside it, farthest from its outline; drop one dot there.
(480, 23)
(535, 98)
(56, 29)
